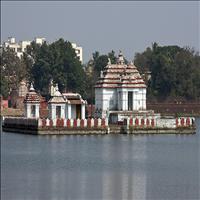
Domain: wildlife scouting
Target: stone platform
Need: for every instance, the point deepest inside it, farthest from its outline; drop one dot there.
(99, 126)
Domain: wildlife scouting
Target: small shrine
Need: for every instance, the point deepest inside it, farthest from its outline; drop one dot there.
(57, 105)
(32, 104)
(66, 105)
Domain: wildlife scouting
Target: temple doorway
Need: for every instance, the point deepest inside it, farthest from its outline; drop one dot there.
(130, 100)
(33, 110)
(78, 111)
(58, 111)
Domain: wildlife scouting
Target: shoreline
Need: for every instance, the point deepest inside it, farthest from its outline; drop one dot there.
(98, 131)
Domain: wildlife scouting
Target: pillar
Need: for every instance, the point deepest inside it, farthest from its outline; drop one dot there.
(82, 111)
(62, 111)
(69, 111)
(37, 111)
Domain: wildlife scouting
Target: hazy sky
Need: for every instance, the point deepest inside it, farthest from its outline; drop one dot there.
(103, 26)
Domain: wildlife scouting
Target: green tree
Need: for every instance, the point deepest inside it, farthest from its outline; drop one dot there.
(57, 61)
(13, 71)
(100, 63)
(175, 71)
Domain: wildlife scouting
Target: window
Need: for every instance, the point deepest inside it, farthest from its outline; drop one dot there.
(32, 110)
(58, 111)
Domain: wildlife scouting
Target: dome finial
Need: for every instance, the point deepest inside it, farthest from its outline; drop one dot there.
(31, 87)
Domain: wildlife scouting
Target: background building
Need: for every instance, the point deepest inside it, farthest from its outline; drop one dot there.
(78, 51)
(21, 46)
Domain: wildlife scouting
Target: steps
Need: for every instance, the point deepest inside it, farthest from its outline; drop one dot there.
(116, 129)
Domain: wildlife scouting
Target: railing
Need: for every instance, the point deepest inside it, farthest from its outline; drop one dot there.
(140, 122)
(160, 122)
(74, 123)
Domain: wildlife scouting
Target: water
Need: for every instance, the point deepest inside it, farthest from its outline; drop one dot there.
(100, 167)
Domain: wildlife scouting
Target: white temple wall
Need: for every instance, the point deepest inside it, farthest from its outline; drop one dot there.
(109, 99)
(105, 99)
(139, 99)
(144, 99)
(98, 98)
(117, 99)
(135, 99)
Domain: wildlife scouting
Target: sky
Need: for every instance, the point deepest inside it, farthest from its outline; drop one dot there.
(129, 26)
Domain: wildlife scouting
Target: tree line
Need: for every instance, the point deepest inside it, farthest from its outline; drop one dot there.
(175, 71)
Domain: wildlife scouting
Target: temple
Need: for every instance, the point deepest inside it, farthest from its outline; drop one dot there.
(66, 105)
(120, 91)
(32, 104)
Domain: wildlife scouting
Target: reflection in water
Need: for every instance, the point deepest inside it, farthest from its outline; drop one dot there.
(139, 176)
(139, 186)
(128, 180)
(100, 167)
(125, 185)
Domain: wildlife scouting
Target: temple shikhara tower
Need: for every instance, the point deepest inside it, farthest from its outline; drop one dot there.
(120, 90)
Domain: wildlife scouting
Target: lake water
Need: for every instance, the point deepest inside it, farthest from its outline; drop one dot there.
(153, 167)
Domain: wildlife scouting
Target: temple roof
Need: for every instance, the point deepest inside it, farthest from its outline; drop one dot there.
(32, 96)
(120, 75)
(70, 98)
(74, 98)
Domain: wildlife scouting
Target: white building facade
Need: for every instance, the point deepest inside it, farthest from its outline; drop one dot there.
(78, 51)
(119, 88)
(21, 47)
